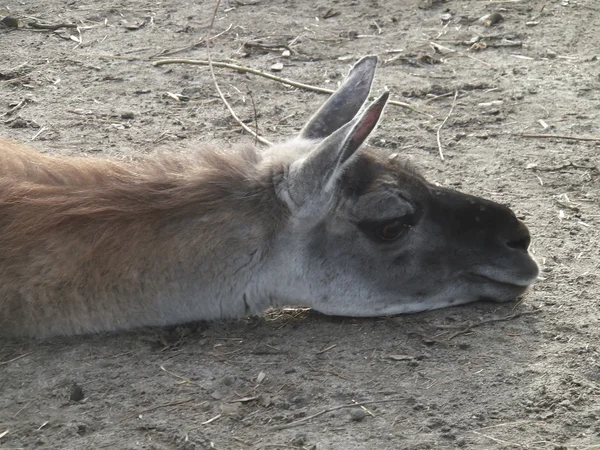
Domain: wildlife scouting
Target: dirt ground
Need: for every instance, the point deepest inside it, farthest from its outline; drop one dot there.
(482, 376)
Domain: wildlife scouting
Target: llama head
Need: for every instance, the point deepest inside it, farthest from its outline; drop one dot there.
(367, 235)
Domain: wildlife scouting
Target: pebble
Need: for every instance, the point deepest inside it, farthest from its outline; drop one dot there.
(357, 414)
(217, 395)
(491, 19)
(11, 22)
(299, 440)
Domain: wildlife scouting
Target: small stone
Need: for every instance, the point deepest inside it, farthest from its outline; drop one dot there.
(19, 122)
(286, 53)
(357, 414)
(299, 440)
(277, 67)
(217, 395)
(491, 19)
(11, 22)
(265, 400)
(127, 115)
(76, 393)
(231, 409)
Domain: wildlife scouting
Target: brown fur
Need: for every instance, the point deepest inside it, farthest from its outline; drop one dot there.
(74, 229)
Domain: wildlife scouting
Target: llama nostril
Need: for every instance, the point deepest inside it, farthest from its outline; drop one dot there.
(518, 238)
(520, 244)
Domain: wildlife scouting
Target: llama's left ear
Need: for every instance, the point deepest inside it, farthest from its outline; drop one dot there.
(312, 182)
(341, 107)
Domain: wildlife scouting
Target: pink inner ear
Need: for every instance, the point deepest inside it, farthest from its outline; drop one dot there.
(366, 126)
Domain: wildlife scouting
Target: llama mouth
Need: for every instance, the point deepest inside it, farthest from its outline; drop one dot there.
(512, 284)
(497, 291)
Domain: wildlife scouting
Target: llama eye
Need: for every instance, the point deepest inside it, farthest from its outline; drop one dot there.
(387, 231)
(392, 230)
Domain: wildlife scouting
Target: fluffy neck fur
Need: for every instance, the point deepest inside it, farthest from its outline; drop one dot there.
(92, 244)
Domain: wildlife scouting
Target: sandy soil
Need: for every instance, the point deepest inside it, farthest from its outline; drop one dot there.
(522, 375)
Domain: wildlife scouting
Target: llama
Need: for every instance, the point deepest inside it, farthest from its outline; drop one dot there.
(97, 244)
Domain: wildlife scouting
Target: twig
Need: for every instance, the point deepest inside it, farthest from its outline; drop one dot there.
(510, 424)
(183, 379)
(50, 26)
(246, 70)
(555, 136)
(188, 47)
(255, 113)
(447, 94)
(211, 420)
(439, 142)
(364, 409)
(561, 167)
(123, 57)
(500, 441)
(279, 446)
(486, 321)
(165, 52)
(329, 372)
(3, 363)
(16, 107)
(218, 88)
(268, 47)
(332, 346)
(335, 408)
(38, 133)
(281, 80)
(21, 409)
(441, 48)
(154, 408)
(465, 328)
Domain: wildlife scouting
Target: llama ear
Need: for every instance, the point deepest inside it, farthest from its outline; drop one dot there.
(313, 181)
(344, 103)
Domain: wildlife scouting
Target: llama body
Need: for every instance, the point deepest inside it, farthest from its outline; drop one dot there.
(94, 244)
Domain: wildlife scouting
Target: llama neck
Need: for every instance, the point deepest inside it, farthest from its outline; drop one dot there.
(173, 241)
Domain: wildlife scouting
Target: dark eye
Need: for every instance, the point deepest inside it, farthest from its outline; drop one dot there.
(392, 230)
(386, 231)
